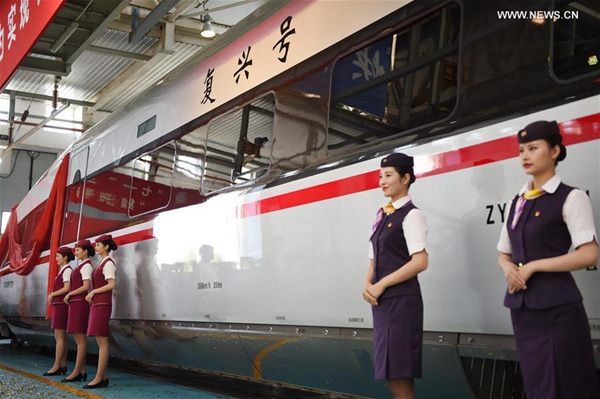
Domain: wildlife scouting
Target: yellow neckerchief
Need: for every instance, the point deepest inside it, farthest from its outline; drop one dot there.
(388, 209)
(533, 194)
(528, 195)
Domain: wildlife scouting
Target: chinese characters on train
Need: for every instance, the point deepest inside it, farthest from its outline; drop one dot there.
(208, 83)
(245, 61)
(282, 43)
(96, 198)
(370, 67)
(8, 25)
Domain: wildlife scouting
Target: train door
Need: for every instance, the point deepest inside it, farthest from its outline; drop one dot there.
(75, 194)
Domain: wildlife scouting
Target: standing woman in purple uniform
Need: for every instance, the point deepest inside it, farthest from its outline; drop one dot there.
(103, 280)
(79, 310)
(549, 321)
(398, 254)
(60, 310)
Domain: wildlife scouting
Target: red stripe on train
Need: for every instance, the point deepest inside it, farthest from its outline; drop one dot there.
(136, 236)
(574, 132)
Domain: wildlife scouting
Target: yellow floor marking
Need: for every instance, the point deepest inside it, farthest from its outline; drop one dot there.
(55, 384)
(261, 356)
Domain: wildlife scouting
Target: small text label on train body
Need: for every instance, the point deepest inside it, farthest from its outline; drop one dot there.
(207, 286)
(496, 212)
(356, 319)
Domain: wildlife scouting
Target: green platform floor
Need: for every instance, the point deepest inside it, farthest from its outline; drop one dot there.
(21, 378)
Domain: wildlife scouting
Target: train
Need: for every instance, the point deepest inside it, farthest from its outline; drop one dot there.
(242, 190)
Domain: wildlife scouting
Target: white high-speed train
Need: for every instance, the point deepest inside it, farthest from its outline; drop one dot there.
(242, 191)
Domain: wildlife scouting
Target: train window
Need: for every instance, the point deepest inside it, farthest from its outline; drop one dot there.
(189, 164)
(151, 181)
(239, 145)
(300, 135)
(576, 39)
(404, 80)
(146, 126)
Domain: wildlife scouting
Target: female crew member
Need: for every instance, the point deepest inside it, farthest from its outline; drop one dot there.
(397, 255)
(60, 310)
(103, 280)
(79, 309)
(549, 321)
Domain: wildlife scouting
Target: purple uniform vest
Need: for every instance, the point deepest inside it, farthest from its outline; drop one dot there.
(542, 233)
(58, 285)
(98, 280)
(77, 282)
(391, 252)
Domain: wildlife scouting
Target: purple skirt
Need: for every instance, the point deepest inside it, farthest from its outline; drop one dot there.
(60, 315)
(555, 351)
(398, 337)
(79, 312)
(99, 320)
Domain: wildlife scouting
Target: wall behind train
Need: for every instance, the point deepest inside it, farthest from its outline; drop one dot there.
(18, 170)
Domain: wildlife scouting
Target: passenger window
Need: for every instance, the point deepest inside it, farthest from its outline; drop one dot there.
(405, 80)
(300, 135)
(189, 167)
(576, 40)
(146, 126)
(151, 181)
(239, 145)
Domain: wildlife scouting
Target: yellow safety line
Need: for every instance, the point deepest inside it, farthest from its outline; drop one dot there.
(260, 357)
(55, 384)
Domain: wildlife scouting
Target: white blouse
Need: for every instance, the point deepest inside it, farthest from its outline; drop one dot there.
(109, 270)
(86, 271)
(67, 274)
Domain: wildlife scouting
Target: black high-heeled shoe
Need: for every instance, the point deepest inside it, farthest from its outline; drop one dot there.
(60, 371)
(80, 377)
(101, 384)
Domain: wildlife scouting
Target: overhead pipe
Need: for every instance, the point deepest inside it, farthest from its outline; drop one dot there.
(11, 115)
(39, 126)
(68, 129)
(219, 8)
(55, 92)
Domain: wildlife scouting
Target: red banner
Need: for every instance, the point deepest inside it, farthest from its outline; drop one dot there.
(23, 263)
(21, 24)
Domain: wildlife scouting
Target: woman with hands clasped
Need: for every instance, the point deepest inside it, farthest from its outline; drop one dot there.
(545, 219)
(100, 298)
(79, 309)
(60, 310)
(398, 254)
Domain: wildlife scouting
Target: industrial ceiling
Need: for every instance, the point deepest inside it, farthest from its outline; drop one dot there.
(100, 55)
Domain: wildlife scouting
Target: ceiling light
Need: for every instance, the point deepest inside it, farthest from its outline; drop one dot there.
(207, 30)
(64, 36)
